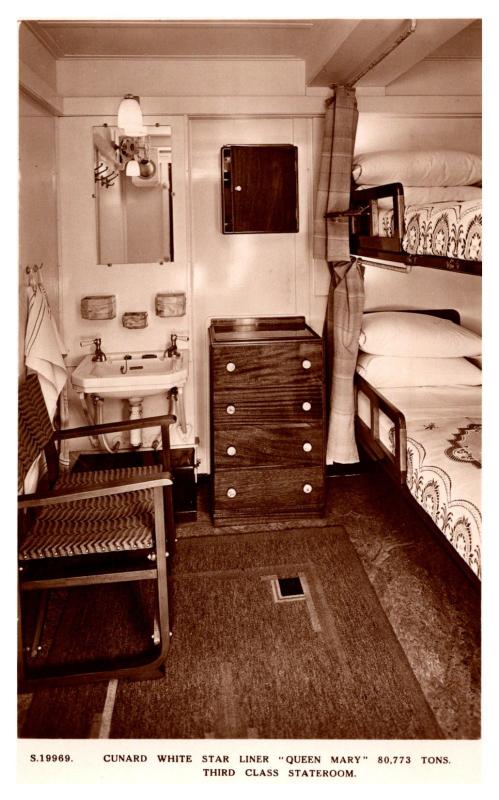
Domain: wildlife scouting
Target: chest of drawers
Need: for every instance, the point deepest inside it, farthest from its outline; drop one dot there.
(267, 419)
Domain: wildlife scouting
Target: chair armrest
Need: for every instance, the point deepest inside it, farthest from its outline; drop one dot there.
(110, 427)
(58, 496)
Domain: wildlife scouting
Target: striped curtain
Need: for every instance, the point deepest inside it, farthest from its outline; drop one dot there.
(346, 293)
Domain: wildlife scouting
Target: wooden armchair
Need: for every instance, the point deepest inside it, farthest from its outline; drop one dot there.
(87, 528)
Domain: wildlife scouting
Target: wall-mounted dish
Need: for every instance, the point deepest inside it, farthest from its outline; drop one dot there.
(170, 304)
(98, 306)
(134, 319)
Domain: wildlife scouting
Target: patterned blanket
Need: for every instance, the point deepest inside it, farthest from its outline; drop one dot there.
(444, 476)
(440, 229)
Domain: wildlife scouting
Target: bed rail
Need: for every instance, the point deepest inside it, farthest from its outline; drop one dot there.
(368, 436)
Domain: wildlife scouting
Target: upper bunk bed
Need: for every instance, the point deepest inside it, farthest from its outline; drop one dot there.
(417, 208)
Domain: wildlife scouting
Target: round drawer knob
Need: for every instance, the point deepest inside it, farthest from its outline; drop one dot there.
(307, 447)
(306, 364)
(306, 405)
(231, 409)
(307, 488)
(231, 492)
(231, 450)
(230, 367)
(238, 188)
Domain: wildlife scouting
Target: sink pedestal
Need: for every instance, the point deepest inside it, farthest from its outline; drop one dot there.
(135, 404)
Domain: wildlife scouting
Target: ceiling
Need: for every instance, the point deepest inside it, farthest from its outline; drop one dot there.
(333, 50)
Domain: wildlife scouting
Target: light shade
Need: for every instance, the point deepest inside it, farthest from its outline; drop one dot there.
(132, 168)
(130, 116)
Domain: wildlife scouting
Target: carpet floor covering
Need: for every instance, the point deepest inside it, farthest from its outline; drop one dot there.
(242, 665)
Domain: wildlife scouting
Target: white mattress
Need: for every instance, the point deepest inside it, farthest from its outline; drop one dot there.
(443, 457)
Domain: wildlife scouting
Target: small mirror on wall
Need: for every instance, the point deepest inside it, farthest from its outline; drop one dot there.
(133, 196)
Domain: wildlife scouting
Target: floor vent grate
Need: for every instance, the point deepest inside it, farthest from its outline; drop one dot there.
(285, 589)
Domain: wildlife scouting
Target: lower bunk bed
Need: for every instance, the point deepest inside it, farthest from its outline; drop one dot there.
(428, 438)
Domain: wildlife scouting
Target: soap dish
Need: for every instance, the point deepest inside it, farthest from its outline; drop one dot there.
(170, 304)
(134, 319)
(98, 306)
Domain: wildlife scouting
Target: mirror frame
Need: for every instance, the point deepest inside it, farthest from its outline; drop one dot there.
(155, 129)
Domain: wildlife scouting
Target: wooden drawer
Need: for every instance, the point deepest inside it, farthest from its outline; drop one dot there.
(268, 445)
(264, 491)
(266, 405)
(292, 363)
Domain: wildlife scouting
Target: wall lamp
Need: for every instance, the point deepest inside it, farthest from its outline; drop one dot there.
(133, 140)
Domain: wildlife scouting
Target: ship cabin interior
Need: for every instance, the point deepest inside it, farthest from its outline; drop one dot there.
(250, 379)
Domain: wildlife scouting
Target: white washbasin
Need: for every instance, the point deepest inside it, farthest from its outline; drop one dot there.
(136, 375)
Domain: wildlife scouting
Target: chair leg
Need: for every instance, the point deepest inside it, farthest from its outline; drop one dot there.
(156, 636)
(161, 530)
(169, 519)
(40, 622)
(21, 670)
(35, 646)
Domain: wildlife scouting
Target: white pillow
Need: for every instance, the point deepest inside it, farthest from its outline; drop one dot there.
(418, 167)
(385, 371)
(401, 333)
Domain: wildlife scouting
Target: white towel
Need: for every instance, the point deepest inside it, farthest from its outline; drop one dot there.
(44, 348)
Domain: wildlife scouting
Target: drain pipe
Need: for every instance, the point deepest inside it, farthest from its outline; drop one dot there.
(102, 438)
(176, 407)
(86, 413)
(96, 419)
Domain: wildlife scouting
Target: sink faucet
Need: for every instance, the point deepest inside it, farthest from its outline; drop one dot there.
(98, 355)
(96, 341)
(172, 350)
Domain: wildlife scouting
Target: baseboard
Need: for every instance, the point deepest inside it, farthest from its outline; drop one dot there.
(344, 470)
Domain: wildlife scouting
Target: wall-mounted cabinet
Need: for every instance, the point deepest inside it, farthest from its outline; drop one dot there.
(260, 188)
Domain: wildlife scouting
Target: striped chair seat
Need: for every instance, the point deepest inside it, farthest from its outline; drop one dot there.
(108, 506)
(58, 538)
(103, 524)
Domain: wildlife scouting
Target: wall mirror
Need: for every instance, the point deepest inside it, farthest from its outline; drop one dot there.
(133, 195)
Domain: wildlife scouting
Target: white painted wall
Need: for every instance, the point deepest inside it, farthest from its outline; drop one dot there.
(181, 77)
(38, 241)
(415, 131)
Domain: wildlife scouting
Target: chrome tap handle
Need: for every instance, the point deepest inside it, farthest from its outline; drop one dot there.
(172, 350)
